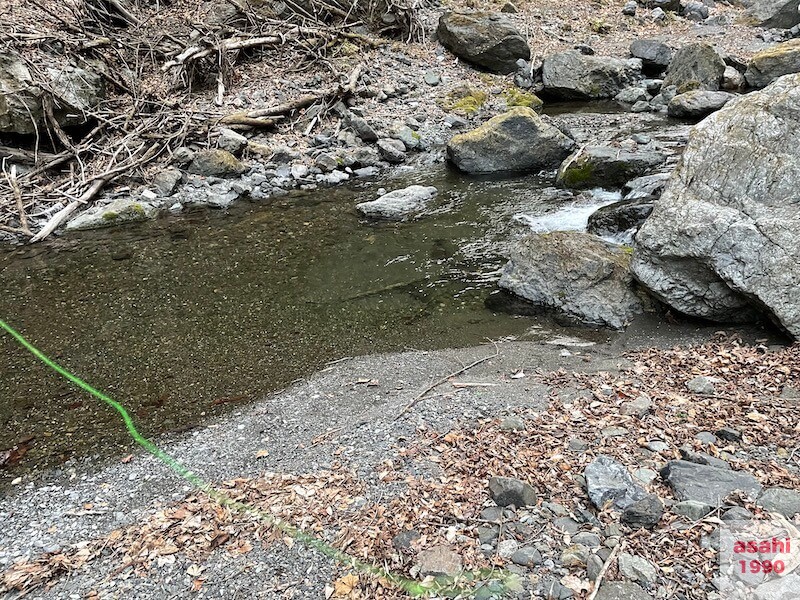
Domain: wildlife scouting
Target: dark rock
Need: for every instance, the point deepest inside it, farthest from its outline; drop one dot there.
(664, 5)
(722, 245)
(697, 104)
(575, 273)
(551, 589)
(527, 556)
(781, 14)
(701, 458)
(622, 218)
(766, 66)
(487, 39)
(729, 434)
(696, 66)
(645, 187)
(780, 500)
(517, 141)
(737, 513)
(692, 509)
(574, 76)
(709, 485)
(507, 491)
(405, 539)
(166, 181)
(606, 166)
(361, 128)
(655, 55)
(609, 481)
(646, 512)
(695, 11)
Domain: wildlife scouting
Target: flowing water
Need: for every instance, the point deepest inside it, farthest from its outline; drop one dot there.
(192, 315)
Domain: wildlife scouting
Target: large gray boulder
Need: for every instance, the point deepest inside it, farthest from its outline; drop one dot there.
(655, 55)
(575, 273)
(697, 103)
(489, 40)
(516, 141)
(75, 90)
(766, 66)
(574, 76)
(606, 166)
(695, 66)
(780, 14)
(724, 238)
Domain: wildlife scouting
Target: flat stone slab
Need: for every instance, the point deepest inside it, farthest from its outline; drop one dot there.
(709, 485)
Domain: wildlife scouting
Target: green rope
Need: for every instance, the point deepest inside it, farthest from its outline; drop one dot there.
(414, 588)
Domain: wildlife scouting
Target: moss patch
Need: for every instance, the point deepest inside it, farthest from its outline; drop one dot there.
(517, 97)
(464, 100)
(577, 174)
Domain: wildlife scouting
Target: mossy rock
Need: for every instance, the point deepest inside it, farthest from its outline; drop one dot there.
(767, 65)
(464, 100)
(518, 97)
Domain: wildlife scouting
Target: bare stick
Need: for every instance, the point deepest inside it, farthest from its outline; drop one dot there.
(24, 156)
(606, 565)
(445, 379)
(12, 181)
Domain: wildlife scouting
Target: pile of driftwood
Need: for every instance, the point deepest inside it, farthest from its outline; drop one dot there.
(154, 55)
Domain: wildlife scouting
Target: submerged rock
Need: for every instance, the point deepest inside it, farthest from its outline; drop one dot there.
(766, 66)
(576, 273)
(574, 76)
(622, 218)
(399, 204)
(118, 212)
(697, 103)
(517, 141)
(606, 166)
(696, 66)
(723, 240)
(487, 39)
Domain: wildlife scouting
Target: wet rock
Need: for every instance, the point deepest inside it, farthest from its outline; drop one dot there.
(574, 76)
(692, 509)
(439, 561)
(231, 141)
(645, 512)
(722, 244)
(527, 556)
(216, 163)
(655, 55)
(636, 568)
(709, 485)
(697, 104)
(619, 590)
(516, 141)
(75, 90)
(487, 39)
(575, 273)
(781, 14)
(695, 66)
(620, 220)
(780, 500)
(392, 151)
(507, 491)
(609, 481)
(606, 166)
(701, 385)
(399, 204)
(167, 181)
(766, 66)
(118, 212)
